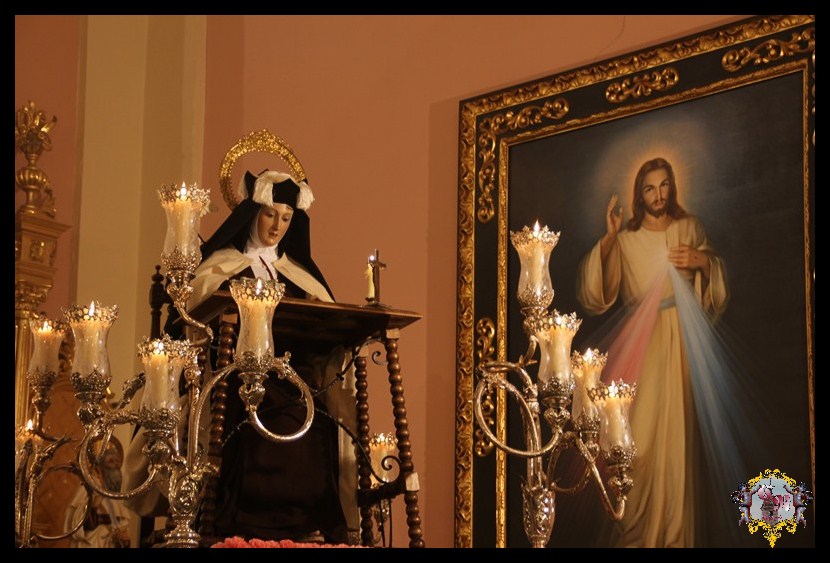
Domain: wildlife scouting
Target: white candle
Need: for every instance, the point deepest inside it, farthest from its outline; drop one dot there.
(163, 360)
(21, 436)
(555, 333)
(90, 326)
(613, 416)
(184, 207)
(561, 337)
(256, 300)
(48, 336)
(615, 401)
(182, 215)
(587, 369)
(381, 446)
(258, 328)
(534, 248)
(155, 374)
(537, 259)
(627, 440)
(370, 289)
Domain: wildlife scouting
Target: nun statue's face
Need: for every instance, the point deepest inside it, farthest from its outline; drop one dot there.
(272, 222)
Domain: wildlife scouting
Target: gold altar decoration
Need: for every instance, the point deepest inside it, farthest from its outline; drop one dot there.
(36, 234)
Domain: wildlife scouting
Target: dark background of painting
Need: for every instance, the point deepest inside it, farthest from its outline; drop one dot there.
(739, 160)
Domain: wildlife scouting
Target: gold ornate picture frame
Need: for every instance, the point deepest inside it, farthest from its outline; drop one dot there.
(733, 109)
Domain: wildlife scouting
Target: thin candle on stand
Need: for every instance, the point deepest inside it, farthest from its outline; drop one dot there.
(538, 260)
(370, 289)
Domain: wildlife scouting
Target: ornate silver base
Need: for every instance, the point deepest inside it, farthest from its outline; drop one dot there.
(539, 513)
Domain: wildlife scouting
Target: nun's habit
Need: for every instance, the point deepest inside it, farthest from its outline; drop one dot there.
(235, 251)
(268, 490)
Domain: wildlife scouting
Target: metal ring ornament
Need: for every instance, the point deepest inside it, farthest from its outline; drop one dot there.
(288, 373)
(527, 414)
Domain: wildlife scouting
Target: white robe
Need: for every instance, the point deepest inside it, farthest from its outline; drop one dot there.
(227, 262)
(101, 536)
(660, 509)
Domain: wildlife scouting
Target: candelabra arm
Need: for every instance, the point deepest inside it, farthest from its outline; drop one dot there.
(192, 375)
(38, 430)
(84, 464)
(26, 486)
(567, 439)
(586, 477)
(287, 372)
(497, 368)
(203, 395)
(71, 468)
(527, 358)
(527, 415)
(75, 527)
(615, 513)
(27, 516)
(129, 389)
(40, 433)
(180, 272)
(20, 491)
(181, 307)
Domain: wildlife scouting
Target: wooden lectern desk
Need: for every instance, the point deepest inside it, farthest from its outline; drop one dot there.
(325, 326)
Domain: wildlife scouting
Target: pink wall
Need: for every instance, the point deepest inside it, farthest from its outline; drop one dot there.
(370, 105)
(46, 62)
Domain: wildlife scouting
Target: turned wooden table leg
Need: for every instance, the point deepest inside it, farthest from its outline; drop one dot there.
(364, 472)
(393, 366)
(226, 341)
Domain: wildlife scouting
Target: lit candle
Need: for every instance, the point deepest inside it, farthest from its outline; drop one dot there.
(587, 371)
(555, 334)
(256, 300)
(613, 415)
(615, 401)
(156, 366)
(163, 361)
(90, 326)
(537, 260)
(370, 290)
(48, 336)
(534, 248)
(381, 446)
(626, 398)
(21, 436)
(184, 206)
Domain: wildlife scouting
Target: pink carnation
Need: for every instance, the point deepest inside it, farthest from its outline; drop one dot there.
(237, 541)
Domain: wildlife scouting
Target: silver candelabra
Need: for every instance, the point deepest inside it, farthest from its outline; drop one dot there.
(598, 419)
(181, 471)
